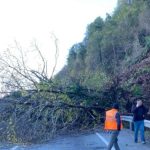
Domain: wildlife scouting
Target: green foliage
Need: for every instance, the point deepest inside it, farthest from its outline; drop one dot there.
(95, 80)
(136, 90)
(109, 46)
(97, 25)
(147, 39)
(43, 86)
(145, 70)
(141, 71)
(16, 94)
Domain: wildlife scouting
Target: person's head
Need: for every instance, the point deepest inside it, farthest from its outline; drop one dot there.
(139, 102)
(115, 106)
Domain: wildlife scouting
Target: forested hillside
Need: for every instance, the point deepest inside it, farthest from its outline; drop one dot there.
(115, 47)
(112, 63)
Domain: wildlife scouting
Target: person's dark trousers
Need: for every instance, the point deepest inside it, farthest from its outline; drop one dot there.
(114, 141)
(139, 125)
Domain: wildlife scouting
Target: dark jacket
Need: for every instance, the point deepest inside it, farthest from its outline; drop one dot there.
(139, 112)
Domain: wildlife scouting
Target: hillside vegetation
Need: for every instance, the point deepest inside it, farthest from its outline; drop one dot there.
(112, 63)
(117, 48)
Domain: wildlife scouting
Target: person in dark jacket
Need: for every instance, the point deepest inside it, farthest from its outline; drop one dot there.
(139, 111)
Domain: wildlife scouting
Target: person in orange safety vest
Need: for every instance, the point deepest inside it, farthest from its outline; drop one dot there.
(113, 123)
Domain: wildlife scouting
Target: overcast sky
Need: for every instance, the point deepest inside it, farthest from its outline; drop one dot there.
(25, 20)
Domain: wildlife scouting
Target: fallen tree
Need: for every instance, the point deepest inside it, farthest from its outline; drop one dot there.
(34, 108)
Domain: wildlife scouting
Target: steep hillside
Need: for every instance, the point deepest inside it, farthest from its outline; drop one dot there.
(136, 80)
(117, 47)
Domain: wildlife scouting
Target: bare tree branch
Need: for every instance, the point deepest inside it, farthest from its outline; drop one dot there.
(16, 74)
(56, 55)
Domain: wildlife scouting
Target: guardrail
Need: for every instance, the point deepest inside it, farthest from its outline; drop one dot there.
(130, 120)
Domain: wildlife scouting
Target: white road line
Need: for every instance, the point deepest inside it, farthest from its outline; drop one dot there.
(103, 139)
(14, 148)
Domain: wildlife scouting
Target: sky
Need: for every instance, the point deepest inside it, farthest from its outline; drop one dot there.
(25, 21)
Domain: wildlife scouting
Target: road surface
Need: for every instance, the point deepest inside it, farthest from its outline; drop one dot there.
(92, 141)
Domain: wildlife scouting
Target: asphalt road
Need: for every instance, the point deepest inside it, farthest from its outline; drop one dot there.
(78, 142)
(93, 141)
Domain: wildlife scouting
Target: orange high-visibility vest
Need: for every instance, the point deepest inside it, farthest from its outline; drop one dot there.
(110, 121)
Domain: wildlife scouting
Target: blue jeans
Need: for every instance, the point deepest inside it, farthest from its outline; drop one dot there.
(139, 125)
